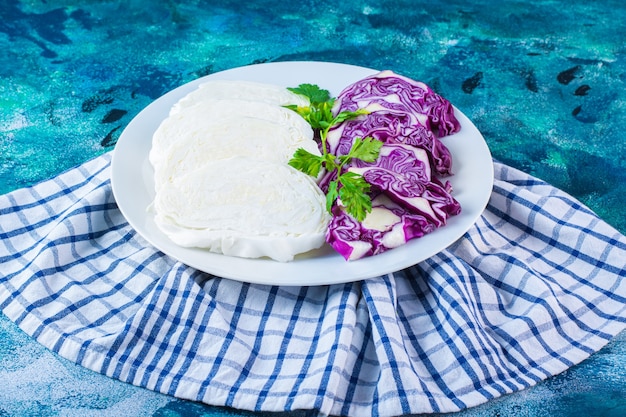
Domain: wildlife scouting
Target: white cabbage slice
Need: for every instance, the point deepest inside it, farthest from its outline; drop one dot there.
(240, 90)
(244, 207)
(205, 115)
(244, 136)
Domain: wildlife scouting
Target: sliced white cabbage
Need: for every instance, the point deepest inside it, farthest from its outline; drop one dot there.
(197, 119)
(244, 207)
(240, 90)
(246, 136)
(222, 180)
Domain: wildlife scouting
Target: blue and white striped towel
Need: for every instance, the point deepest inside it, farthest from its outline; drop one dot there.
(536, 286)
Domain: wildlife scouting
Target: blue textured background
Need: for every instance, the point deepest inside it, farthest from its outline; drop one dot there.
(543, 80)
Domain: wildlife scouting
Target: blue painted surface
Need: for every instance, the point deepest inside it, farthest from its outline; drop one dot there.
(543, 80)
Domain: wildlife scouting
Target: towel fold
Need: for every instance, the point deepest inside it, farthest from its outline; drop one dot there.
(534, 287)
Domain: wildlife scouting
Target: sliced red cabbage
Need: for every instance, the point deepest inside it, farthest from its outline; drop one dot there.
(408, 200)
(401, 110)
(392, 128)
(397, 93)
(407, 203)
(402, 172)
(354, 240)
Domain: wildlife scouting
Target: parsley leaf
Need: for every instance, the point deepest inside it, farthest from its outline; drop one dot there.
(353, 195)
(306, 162)
(314, 93)
(331, 195)
(366, 150)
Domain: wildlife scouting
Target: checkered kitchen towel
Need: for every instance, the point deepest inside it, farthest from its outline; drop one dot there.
(536, 286)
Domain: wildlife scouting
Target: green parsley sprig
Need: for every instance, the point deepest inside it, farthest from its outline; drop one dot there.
(351, 188)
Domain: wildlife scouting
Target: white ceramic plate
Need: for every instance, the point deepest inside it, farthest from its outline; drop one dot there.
(133, 188)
